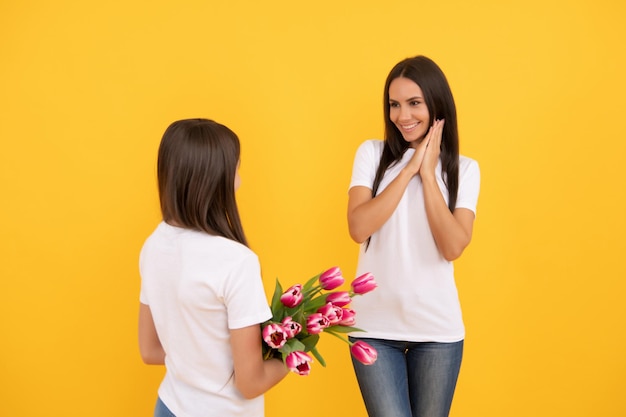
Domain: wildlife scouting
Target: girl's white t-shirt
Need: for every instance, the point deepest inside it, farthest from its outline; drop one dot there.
(416, 299)
(198, 287)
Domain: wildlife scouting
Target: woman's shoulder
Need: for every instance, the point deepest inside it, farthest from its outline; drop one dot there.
(468, 167)
(375, 144)
(372, 147)
(466, 162)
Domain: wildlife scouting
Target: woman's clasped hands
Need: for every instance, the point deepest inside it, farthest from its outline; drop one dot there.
(426, 156)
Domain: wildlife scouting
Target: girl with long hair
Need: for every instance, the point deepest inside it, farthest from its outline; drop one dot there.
(202, 299)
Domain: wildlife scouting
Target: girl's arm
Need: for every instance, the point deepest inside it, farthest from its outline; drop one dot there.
(366, 214)
(452, 230)
(253, 375)
(150, 346)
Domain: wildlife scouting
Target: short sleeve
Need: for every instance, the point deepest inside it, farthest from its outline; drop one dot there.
(365, 163)
(469, 184)
(244, 294)
(143, 296)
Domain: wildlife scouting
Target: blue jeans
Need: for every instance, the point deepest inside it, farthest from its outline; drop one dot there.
(409, 379)
(161, 410)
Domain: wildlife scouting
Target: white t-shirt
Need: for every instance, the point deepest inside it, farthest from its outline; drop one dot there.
(198, 287)
(416, 299)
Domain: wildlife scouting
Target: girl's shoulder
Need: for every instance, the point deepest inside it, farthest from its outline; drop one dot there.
(203, 242)
(224, 244)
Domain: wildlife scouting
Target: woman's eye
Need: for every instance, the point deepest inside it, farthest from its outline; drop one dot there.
(415, 103)
(394, 105)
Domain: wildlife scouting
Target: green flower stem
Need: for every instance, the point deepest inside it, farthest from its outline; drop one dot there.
(268, 355)
(338, 337)
(308, 294)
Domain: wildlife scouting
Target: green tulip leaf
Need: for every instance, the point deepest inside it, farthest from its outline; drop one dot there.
(318, 357)
(292, 345)
(342, 329)
(315, 303)
(277, 305)
(309, 284)
(310, 342)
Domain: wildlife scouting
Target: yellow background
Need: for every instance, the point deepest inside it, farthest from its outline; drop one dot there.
(87, 89)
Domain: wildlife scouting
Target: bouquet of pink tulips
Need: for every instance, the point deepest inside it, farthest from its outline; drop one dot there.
(302, 313)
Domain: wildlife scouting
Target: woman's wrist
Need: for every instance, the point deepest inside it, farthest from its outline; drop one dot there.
(407, 173)
(428, 177)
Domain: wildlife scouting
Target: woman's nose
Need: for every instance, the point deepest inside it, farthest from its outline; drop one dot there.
(405, 113)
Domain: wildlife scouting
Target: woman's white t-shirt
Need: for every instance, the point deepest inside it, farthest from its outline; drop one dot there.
(198, 287)
(416, 299)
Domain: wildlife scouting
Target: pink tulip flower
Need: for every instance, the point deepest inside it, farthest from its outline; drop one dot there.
(274, 335)
(348, 317)
(339, 298)
(364, 284)
(293, 296)
(316, 323)
(291, 327)
(298, 362)
(331, 279)
(364, 353)
(333, 313)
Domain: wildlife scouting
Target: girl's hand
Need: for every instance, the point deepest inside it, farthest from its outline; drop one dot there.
(433, 149)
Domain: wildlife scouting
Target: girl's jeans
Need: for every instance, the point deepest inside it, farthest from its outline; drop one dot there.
(409, 379)
(161, 410)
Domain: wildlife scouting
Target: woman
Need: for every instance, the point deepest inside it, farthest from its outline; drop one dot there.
(412, 203)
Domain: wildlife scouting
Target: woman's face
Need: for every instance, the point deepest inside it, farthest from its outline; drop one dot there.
(408, 111)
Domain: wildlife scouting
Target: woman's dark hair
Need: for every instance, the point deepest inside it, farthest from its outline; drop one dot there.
(196, 170)
(440, 103)
(438, 98)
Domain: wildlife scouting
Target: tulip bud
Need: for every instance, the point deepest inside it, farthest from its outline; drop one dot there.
(348, 317)
(364, 284)
(291, 327)
(332, 312)
(339, 298)
(316, 323)
(274, 335)
(293, 296)
(331, 279)
(363, 352)
(298, 362)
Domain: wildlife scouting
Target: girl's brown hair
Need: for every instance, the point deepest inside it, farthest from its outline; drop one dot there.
(196, 169)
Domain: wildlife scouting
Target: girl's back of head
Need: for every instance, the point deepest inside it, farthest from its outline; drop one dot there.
(196, 170)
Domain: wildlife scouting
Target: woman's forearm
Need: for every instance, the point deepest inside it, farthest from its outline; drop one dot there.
(366, 214)
(452, 231)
